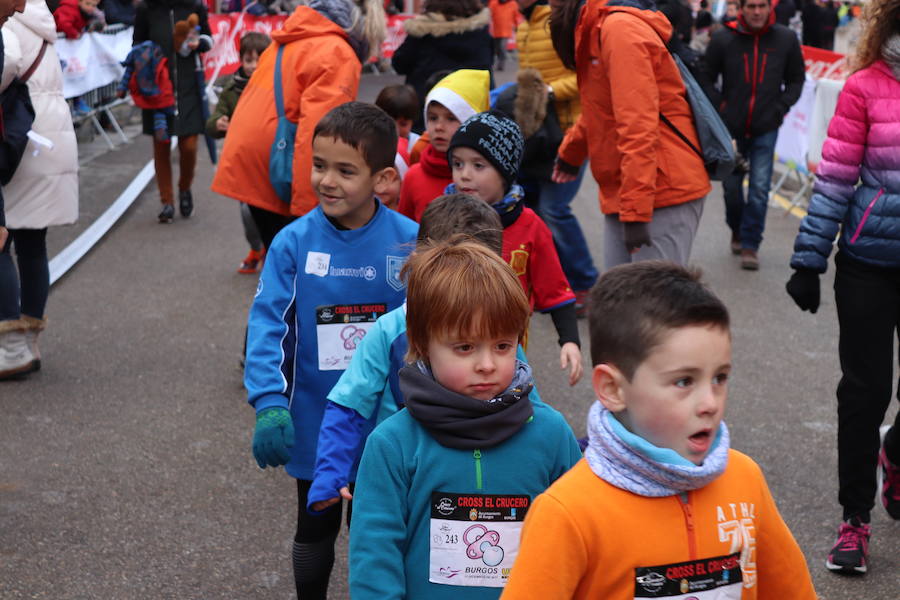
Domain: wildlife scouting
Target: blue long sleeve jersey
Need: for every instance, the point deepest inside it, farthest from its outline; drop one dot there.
(367, 393)
(321, 290)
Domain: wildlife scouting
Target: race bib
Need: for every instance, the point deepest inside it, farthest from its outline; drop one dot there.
(339, 328)
(716, 578)
(474, 537)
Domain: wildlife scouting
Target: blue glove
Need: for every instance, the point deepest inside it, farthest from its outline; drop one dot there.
(273, 437)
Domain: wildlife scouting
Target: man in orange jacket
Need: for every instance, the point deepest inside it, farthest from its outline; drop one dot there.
(652, 184)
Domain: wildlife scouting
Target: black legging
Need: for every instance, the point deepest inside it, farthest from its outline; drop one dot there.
(268, 223)
(24, 292)
(313, 553)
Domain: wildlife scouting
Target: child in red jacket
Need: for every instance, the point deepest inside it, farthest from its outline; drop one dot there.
(454, 99)
(484, 156)
(73, 17)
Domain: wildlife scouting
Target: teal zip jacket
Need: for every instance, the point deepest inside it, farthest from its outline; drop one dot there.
(405, 476)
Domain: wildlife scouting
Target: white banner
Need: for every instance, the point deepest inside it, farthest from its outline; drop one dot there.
(793, 136)
(92, 60)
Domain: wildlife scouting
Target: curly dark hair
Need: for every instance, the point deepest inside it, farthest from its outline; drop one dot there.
(879, 22)
(454, 9)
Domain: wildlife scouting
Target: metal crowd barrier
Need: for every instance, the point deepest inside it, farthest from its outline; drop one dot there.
(102, 100)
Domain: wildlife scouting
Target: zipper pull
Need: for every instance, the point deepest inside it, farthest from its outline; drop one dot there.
(477, 455)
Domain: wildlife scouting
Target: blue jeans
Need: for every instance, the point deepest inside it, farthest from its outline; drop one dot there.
(747, 221)
(556, 210)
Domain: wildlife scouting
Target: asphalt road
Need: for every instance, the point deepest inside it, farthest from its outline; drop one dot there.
(125, 464)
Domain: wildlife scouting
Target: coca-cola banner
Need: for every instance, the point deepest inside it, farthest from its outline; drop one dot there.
(824, 64)
(227, 30)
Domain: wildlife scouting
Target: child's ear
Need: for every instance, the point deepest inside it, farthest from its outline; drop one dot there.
(607, 381)
(384, 178)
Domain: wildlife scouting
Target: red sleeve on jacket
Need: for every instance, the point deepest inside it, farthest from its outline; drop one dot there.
(69, 20)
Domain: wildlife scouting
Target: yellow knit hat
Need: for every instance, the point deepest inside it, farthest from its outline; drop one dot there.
(464, 93)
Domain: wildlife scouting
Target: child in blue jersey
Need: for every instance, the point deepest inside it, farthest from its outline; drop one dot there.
(368, 391)
(445, 483)
(327, 277)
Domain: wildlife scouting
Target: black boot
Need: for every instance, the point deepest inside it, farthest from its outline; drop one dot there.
(167, 215)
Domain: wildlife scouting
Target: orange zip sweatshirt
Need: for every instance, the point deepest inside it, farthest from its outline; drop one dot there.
(585, 538)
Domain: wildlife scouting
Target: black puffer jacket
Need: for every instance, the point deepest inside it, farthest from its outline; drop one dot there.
(155, 21)
(762, 75)
(435, 44)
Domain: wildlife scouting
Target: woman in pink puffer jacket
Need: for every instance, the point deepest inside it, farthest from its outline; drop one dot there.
(858, 191)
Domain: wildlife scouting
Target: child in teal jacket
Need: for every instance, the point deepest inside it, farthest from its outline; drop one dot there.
(444, 484)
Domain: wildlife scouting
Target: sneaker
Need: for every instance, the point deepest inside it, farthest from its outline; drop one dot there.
(167, 215)
(735, 244)
(581, 303)
(749, 260)
(251, 263)
(889, 481)
(185, 203)
(850, 554)
(80, 107)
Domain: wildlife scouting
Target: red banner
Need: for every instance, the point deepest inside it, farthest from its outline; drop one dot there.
(824, 64)
(227, 30)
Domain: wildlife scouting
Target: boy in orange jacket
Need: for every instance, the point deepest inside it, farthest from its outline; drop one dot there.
(658, 466)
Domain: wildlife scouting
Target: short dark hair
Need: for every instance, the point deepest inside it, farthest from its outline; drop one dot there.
(365, 127)
(741, 3)
(435, 78)
(254, 41)
(632, 306)
(454, 214)
(399, 101)
(454, 9)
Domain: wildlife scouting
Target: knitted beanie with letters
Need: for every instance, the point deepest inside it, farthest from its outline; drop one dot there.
(497, 138)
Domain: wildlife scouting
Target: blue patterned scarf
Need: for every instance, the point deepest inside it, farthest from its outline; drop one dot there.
(622, 459)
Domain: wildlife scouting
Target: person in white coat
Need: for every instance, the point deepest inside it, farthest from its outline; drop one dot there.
(42, 193)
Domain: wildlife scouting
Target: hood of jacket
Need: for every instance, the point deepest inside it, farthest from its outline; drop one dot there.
(38, 19)
(645, 10)
(740, 25)
(305, 22)
(438, 25)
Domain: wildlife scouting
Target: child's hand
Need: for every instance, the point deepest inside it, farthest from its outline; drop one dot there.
(570, 358)
(222, 123)
(273, 437)
(4, 232)
(323, 504)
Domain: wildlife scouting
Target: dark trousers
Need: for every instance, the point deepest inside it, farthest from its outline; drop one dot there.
(268, 224)
(313, 553)
(25, 291)
(868, 307)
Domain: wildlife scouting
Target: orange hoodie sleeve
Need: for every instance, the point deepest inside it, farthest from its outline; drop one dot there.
(574, 147)
(334, 81)
(550, 530)
(630, 48)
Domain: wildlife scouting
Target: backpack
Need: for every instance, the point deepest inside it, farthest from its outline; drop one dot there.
(281, 155)
(16, 119)
(716, 146)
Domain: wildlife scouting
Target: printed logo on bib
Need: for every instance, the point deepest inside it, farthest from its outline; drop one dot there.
(717, 578)
(474, 537)
(339, 328)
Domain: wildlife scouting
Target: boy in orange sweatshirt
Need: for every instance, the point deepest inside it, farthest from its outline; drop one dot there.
(658, 467)
(451, 101)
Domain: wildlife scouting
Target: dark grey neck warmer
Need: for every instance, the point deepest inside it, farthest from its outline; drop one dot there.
(461, 422)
